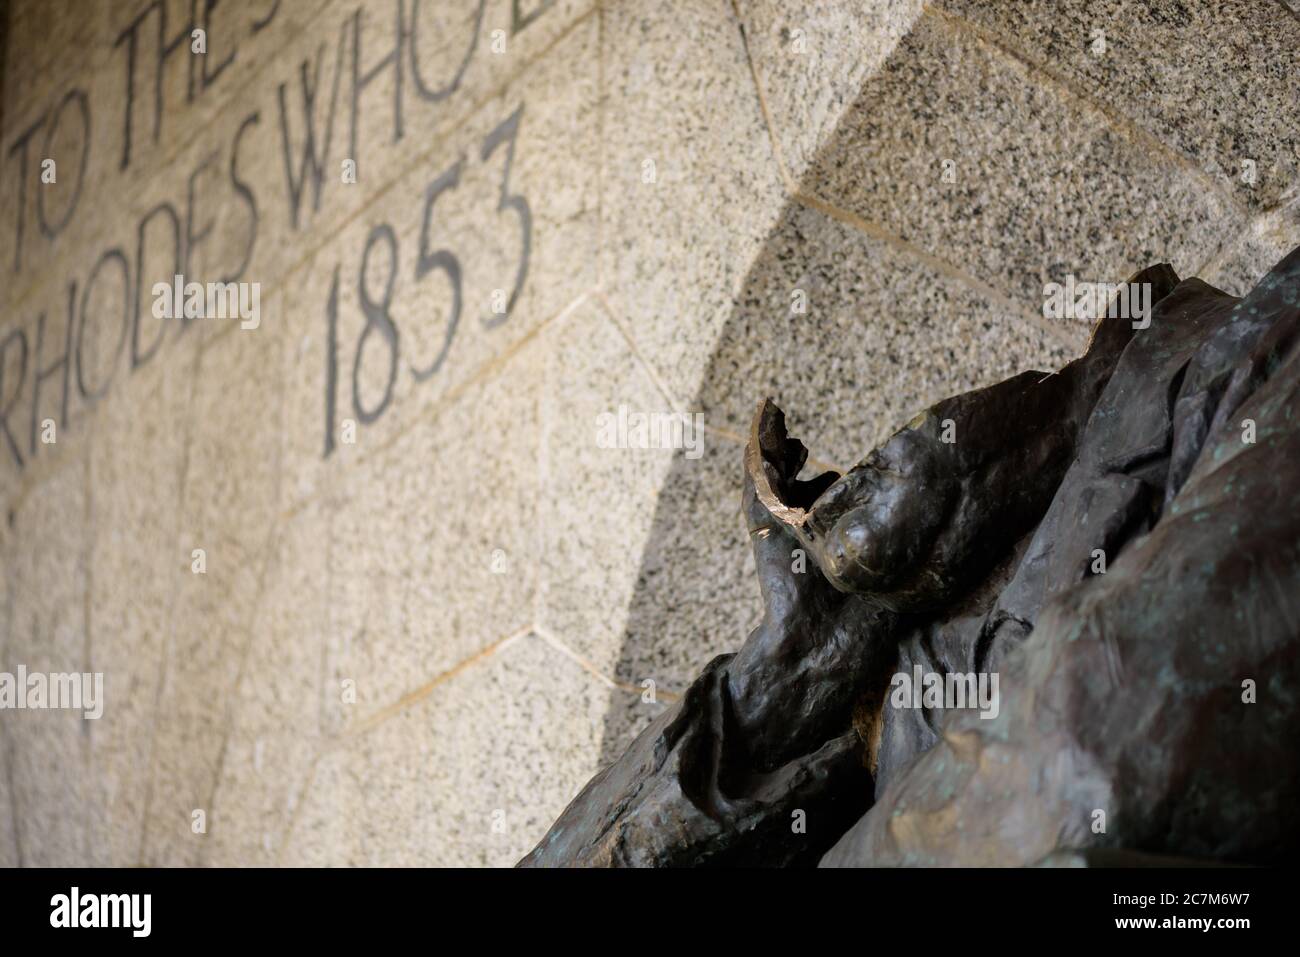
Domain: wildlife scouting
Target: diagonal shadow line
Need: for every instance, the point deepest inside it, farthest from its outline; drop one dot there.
(803, 247)
(668, 557)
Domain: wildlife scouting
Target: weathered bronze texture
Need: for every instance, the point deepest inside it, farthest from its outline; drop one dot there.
(1118, 543)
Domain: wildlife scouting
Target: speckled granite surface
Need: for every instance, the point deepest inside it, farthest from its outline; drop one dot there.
(416, 646)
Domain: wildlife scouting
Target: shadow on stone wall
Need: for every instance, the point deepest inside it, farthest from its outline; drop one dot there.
(881, 338)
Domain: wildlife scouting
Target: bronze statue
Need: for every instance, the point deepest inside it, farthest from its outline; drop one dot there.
(1115, 547)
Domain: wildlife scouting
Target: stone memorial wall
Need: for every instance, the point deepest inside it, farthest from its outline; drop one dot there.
(338, 339)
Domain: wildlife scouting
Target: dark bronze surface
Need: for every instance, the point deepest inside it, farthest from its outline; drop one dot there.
(1148, 698)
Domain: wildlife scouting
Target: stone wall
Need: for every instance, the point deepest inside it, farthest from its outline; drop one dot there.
(362, 583)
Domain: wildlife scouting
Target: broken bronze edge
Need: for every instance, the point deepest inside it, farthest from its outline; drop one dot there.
(770, 452)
